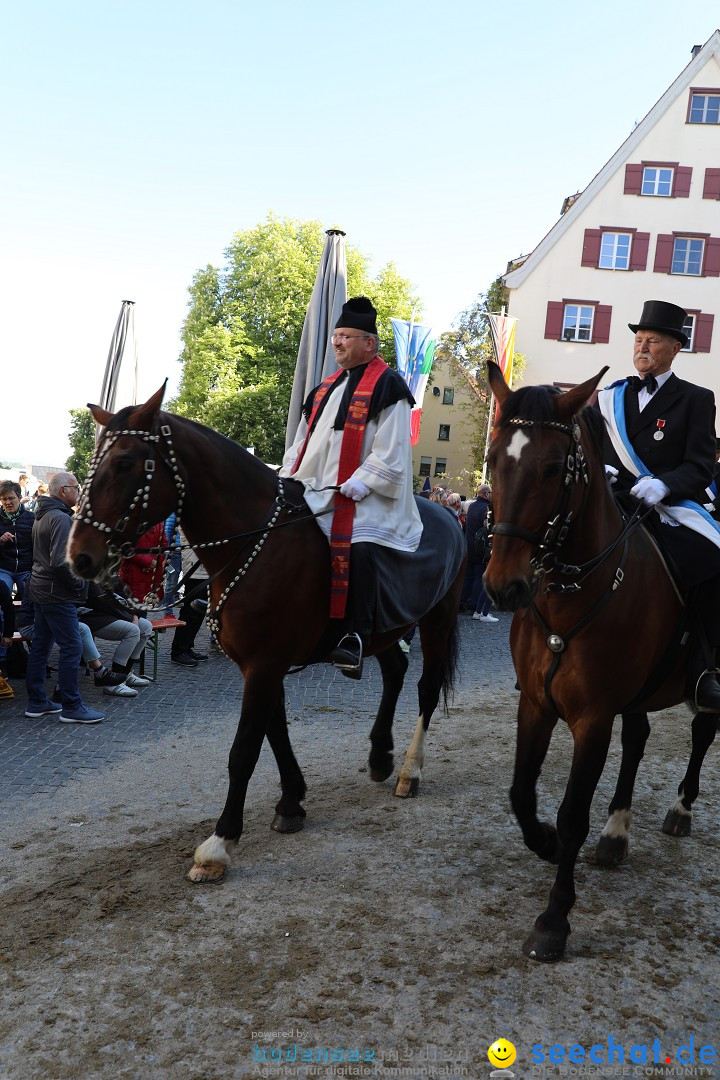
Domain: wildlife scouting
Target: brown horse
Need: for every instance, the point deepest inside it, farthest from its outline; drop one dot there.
(269, 565)
(597, 630)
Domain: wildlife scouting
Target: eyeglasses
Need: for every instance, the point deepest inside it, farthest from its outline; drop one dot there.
(337, 339)
(73, 487)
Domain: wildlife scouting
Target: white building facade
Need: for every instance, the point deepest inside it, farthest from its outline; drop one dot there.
(646, 228)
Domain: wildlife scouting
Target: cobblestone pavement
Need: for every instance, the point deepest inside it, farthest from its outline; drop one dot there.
(39, 757)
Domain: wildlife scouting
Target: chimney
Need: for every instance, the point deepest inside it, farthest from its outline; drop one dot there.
(695, 50)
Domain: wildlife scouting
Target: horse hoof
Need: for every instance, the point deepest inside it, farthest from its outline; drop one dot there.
(550, 849)
(407, 789)
(677, 823)
(545, 946)
(283, 824)
(611, 850)
(206, 872)
(381, 774)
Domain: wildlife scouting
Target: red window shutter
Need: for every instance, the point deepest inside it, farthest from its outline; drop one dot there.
(554, 320)
(703, 332)
(683, 176)
(711, 265)
(633, 179)
(711, 188)
(639, 251)
(663, 253)
(591, 247)
(601, 324)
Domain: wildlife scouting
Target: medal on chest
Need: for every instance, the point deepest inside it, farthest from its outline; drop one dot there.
(659, 434)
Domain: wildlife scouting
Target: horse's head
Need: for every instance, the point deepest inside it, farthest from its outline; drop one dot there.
(539, 475)
(134, 482)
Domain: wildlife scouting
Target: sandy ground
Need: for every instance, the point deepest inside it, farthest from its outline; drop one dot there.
(388, 930)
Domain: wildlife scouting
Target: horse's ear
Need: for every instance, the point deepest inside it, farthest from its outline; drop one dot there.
(101, 416)
(143, 415)
(496, 382)
(574, 400)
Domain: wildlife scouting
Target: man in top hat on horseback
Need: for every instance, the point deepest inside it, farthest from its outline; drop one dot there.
(352, 453)
(660, 446)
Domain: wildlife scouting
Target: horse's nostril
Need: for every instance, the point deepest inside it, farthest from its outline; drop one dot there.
(83, 565)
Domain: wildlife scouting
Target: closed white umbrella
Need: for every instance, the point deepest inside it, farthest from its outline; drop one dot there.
(316, 358)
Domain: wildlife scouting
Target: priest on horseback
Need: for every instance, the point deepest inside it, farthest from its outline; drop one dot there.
(660, 447)
(352, 454)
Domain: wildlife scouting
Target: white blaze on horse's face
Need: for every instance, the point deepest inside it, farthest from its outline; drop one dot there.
(517, 444)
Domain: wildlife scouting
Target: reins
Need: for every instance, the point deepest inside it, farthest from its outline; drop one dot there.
(160, 441)
(548, 545)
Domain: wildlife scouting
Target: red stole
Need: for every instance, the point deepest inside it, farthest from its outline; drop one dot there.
(350, 450)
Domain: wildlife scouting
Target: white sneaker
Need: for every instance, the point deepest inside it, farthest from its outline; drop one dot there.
(484, 618)
(122, 690)
(136, 680)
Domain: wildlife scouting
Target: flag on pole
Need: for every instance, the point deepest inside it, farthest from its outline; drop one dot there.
(414, 351)
(502, 332)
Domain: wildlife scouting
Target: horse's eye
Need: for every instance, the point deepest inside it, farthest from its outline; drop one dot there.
(123, 464)
(552, 470)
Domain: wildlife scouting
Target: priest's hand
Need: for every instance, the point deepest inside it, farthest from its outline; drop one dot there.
(354, 489)
(650, 490)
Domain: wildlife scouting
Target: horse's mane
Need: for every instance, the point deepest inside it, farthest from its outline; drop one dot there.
(538, 403)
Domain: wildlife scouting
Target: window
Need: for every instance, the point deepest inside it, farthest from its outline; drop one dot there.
(444, 433)
(687, 256)
(699, 328)
(705, 108)
(448, 395)
(578, 320)
(577, 323)
(440, 466)
(425, 466)
(615, 251)
(657, 181)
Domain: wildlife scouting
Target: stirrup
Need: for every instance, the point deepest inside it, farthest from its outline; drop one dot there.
(352, 667)
(704, 708)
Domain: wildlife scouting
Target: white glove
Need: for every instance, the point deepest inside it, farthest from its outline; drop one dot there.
(650, 490)
(612, 473)
(354, 489)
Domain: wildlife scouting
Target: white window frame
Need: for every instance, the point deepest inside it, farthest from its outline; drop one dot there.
(441, 437)
(572, 332)
(610, 257)
(689, 329)
(440, 471)
(689, 240)
(448, 397)
(657, 180)
(707, 98)
(425, 463)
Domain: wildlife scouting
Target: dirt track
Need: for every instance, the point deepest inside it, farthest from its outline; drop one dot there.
(388, 926)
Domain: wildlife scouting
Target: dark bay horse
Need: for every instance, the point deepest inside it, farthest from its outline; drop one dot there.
(597, 631)
(269, 565)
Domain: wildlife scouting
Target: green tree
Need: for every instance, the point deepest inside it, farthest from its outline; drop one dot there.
(467, 348)
(244, 323)
(82, 441)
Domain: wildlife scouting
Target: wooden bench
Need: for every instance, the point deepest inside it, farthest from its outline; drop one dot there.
(159, 626)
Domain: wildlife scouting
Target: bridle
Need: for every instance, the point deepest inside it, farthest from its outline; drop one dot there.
(159, 439)
(548, 543)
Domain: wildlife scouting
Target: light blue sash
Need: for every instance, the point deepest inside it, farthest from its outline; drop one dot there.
(685, 512)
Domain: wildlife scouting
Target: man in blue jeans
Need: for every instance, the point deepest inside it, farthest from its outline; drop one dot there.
(55, 593)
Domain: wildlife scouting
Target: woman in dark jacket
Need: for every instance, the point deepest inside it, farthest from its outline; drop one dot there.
(16, 523)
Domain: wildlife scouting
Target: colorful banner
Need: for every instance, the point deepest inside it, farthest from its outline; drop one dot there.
(414, 351)
(502, 331)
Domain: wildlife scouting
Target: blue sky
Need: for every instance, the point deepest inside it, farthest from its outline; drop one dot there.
(139, 136)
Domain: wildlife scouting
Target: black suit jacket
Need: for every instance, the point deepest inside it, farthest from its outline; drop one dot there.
(684, 459)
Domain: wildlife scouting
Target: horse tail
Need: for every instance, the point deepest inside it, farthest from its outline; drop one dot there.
(449, 665)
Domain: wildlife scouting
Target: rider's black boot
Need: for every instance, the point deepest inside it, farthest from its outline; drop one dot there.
(703, 690)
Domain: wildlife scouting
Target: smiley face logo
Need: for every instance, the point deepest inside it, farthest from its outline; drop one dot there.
(502, 1054)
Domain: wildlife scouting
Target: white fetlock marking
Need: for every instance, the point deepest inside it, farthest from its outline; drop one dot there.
(678, 808)
(618, 824)
(415, 757)
(517, 444)
(214, 850)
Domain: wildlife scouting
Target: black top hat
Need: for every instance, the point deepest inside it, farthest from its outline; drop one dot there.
(667, 318)
(358, 314)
